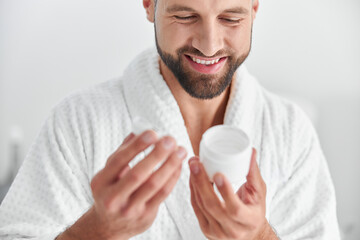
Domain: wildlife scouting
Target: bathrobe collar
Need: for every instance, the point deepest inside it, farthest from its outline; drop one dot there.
(148, 96)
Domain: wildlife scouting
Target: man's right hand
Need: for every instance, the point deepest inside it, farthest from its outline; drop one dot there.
(127, 200)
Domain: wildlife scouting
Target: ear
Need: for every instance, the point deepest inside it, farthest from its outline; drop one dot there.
(149, 6)
(255, 8)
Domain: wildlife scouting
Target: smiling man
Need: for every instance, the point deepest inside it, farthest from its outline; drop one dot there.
(203, 45)
(70, 188)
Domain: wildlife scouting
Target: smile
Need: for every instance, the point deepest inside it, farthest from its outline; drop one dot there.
(203, 62)
(206, 66)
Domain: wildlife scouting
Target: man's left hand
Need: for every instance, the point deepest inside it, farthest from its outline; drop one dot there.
(241, 215)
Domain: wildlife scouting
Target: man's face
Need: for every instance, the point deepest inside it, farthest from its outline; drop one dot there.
(203, 42)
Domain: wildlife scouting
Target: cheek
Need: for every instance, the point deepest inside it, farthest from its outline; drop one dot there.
(172, 37)
(239, 39)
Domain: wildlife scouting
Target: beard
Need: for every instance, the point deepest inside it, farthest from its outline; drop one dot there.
(198, 85)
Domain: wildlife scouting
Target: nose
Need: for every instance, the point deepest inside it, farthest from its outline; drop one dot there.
(209, 39)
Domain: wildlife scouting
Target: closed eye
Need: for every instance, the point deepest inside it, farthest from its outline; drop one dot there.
(231, 20)
(184, 18)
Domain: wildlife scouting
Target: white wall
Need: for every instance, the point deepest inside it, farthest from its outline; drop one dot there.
(311, 49)
(50, 48)
(307, 49)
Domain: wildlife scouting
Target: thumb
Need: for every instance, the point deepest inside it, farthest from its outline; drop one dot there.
(253, 190)
(254, 182)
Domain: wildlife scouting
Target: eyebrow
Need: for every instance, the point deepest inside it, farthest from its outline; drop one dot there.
(180, 8)
(238, 10)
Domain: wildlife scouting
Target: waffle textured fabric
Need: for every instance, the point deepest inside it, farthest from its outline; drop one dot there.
(52, 189)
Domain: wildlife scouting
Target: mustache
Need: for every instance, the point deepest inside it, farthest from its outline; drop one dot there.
(194, 51)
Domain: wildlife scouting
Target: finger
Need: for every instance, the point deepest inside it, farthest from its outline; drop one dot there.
(133, 144)
(214, 230)
(123, 171)
(204, 188)
(254, 172)
(97, 180)
(121, 190)
(199, 203)
(219, 228)
(162, 194)
(209, 202)
(125, 142)
(255, 184)
(159, 178)
(123, 156)
(128, 138)
(235, 208)
(204, 223)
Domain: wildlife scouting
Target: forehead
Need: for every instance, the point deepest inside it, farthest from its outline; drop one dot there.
(204, 6)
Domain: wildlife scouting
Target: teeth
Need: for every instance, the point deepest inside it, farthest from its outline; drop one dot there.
(205, 62)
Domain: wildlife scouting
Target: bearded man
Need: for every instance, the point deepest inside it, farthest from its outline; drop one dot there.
(69, 187)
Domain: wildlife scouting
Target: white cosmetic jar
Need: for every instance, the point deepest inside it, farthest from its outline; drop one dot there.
(227, 150)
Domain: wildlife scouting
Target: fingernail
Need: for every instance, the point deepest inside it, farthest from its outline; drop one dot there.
(130, 136)
(193, 159)
(194, 167)
(167, 143)
(148, 137)
(181, 152)
(127, 138)
(218, 180)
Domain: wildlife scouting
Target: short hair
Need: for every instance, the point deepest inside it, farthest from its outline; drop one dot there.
(157, 0)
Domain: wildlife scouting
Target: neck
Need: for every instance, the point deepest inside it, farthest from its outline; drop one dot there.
(198, 114)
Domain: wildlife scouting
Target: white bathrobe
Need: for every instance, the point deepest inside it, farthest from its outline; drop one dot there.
(52, 188)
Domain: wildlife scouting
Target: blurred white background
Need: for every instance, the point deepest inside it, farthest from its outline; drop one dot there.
(308, 51)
